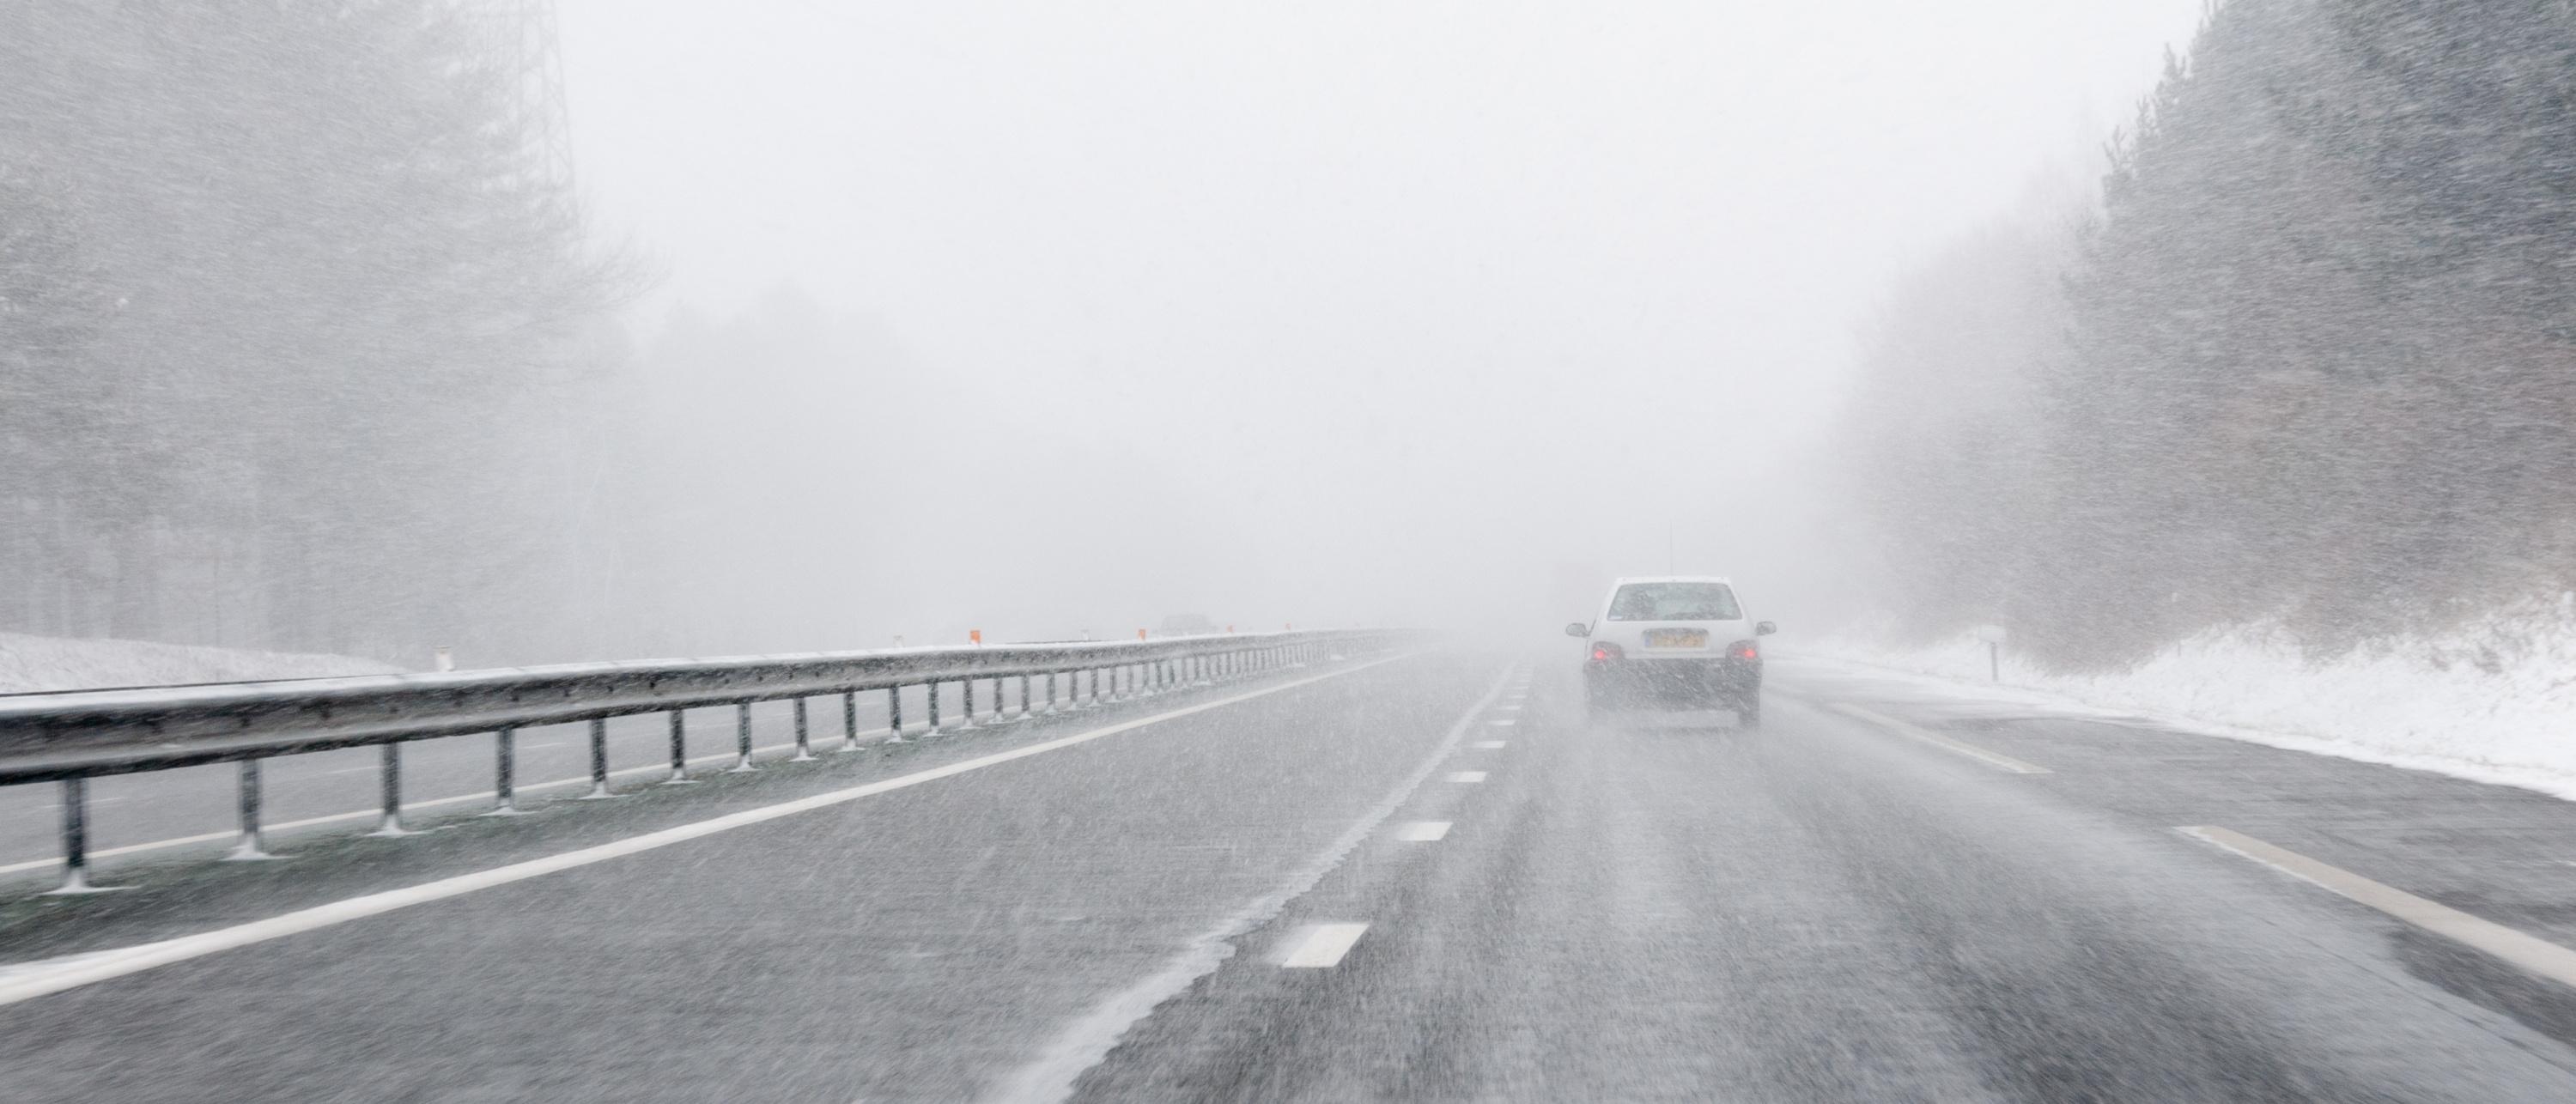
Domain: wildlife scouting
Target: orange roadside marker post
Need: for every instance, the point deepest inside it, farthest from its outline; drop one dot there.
(975, 637)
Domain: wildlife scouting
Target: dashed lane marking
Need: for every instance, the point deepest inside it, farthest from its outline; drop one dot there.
(2538, 956)
(1996, 760)
(1468, 777)
(1323, 947)
(1489, 745)
(1090, 1037)
(1422, 831)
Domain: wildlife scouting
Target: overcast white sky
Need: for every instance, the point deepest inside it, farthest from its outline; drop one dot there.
(1540, 280)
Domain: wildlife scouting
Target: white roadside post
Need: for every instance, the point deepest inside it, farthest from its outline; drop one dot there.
(1994, 636)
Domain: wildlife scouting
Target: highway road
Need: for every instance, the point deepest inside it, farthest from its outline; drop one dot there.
(1425, 877)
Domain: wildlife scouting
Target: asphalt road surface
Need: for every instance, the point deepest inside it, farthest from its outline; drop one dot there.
(1426, 877)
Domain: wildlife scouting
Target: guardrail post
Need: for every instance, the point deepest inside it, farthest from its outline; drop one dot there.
(742, 738)
(804, 749)
(1028, 704)
(850, 720)
(249, 847)
(1050, 704)
(598, 761)
(966, 691)
(76, 841)
(894, 715)
(933, 730)
(679, 749)
(505, 764)
(390, 774)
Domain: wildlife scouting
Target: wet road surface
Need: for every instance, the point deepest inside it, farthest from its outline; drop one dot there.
(1424, 878)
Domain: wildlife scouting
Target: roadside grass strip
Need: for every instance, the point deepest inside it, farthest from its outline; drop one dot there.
(1997, 760)
(2538, 956)
(26, 981)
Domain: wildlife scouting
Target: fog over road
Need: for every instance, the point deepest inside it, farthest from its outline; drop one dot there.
(1427, 877)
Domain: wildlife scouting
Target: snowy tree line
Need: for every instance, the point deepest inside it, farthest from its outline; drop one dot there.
(291, 332)
(2310, 356)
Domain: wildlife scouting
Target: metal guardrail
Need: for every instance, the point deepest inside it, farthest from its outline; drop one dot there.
(70, 738)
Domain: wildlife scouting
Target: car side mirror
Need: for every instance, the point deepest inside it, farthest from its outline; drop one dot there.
(1765, 629)
(1578, 629)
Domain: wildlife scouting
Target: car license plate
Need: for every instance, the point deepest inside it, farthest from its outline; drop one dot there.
(1677, 638)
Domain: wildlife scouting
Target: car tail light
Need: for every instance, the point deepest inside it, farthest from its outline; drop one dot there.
(1744, 649)
(1605, 652)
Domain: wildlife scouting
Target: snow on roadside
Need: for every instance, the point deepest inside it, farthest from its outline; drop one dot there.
(29, 663)
(2494, 701)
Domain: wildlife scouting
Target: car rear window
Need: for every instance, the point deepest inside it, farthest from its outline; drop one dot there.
(1674, 602)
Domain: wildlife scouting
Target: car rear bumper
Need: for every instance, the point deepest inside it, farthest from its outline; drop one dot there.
(1679, 682)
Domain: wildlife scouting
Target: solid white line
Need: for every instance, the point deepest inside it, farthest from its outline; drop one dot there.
(1422, 831)
(1467, 776)
(229, 834)
(35, 979)
(1324, 946)
(2539, 956)
(1489, 745)
(1996, 760)
(1087, 1040)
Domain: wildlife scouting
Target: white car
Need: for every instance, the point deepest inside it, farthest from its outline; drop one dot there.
(1675, 641)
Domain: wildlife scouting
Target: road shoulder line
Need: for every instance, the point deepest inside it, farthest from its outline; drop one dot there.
(2538, 956)
(28, 981)
(1994, 759)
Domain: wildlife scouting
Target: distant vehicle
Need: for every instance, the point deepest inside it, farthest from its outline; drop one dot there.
(1676, 641)
(1186, 624)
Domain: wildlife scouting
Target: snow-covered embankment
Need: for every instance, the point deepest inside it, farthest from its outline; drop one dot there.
(2493, 701)
(30, 663)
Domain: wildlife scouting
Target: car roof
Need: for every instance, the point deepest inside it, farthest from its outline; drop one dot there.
(1627, 579)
